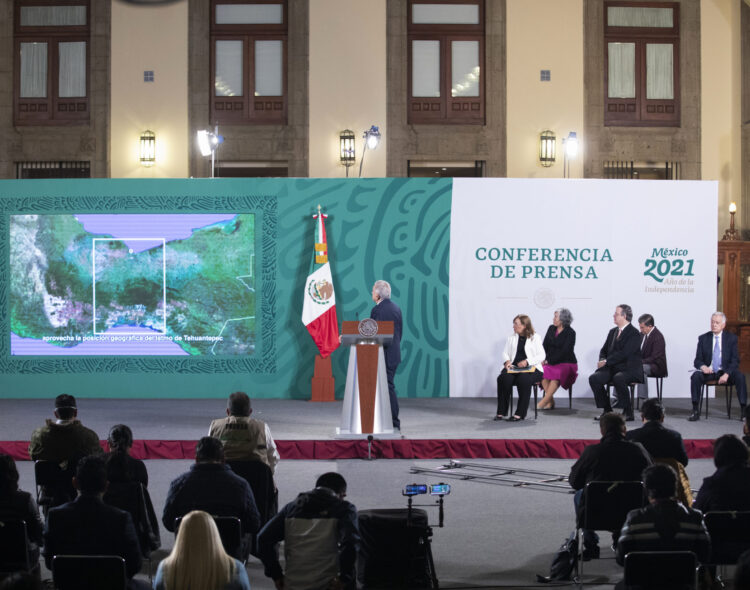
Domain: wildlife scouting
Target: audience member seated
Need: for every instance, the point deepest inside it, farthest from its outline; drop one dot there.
(653, 353)
(522, 366)
(210, 485)
(664, 445)
(88, 526)
(746, 426)
(612, 459)
(244, 438)
(21, 581)
(198, 559)
(121, 467)
(560, 363)
(717, 358)
(664, 524)
(15, 503)
(619, 364)
(321, 539)
(63, 441)
(729, 487)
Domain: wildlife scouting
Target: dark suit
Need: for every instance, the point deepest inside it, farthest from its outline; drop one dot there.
(87, 526)
(730, 364)
(659, 441)
(387, 311)
(653, 352)
(623, 366)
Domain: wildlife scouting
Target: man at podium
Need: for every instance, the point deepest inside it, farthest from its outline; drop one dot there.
(387, 311)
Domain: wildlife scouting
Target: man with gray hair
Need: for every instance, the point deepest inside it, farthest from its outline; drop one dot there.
(717, 358)
(387, 311)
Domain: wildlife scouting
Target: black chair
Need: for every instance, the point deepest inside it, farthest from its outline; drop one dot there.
(659, 389)
(54, 485)
(535, 391)
(230, 531)
(14, 541)
(661, 570)
(605, 506)
(730, 535)
(88, 572)
(728, 392)
(631, 388)
(260, 478)
(133, 497)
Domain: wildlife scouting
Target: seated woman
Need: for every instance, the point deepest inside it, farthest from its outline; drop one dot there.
(198, 559)
(522, 367)
(121, 467)
(15, 503)
(560, 364)
(729, 487)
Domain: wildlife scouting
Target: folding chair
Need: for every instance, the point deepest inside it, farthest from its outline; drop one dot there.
(230, 531)
(730, 535)
(631, 388)
(661, 570)
(535, 391)
(88, 572)
(728, 392)
(605, 506)
(14, 540)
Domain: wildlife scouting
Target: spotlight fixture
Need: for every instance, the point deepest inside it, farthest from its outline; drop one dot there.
(547, 147)
(208, 143)
(570, 152)
(148, 148)
(372, 139)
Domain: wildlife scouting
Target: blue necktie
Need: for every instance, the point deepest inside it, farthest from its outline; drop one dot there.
(716, 364)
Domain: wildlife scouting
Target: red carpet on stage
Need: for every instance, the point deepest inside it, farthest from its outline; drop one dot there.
(467, 448)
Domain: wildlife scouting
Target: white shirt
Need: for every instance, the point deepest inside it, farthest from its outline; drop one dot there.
(534, 350)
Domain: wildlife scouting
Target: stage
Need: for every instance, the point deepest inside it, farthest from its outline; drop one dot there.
(458, 428)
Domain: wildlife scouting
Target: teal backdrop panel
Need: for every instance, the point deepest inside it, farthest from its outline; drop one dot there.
(394, 229)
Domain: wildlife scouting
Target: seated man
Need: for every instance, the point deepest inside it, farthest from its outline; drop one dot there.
(665, 524)
(612, 459)
(321, 539)
(211, 486)
(619, 363)
(653, 353)
(660, 441)
(87, 526)
(64, 441)
(729, 487)
(717, 358)
(244, 438)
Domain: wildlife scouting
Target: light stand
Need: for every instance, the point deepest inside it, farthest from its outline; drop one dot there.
(372, 139)
(208, 143)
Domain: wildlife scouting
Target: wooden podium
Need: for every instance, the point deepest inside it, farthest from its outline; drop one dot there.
(367, 407)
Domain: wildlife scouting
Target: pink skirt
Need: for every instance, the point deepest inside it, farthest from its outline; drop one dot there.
(565, 373)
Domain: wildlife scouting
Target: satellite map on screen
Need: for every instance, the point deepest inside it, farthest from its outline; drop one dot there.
(166, 284)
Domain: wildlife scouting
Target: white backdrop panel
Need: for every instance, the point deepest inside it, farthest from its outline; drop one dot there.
(534, 245)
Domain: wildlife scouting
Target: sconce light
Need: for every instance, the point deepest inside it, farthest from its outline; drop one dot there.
(731, 233)
(570, 152)
(346, 148)
(148, 148)
(372, 139)
(547, 146)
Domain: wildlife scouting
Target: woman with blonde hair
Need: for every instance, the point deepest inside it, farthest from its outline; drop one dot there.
(522, 366)
(198, 559)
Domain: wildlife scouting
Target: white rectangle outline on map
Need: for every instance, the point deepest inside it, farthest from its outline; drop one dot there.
(163, 283)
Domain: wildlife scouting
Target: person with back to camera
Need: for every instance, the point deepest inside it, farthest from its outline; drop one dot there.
(15, 503)
(729, 486)
(198, 559)
(385, 310)
(121, 467)
(522, 366)
(560, 364)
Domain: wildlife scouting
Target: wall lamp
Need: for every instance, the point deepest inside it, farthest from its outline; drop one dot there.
(570, 152)
(148, 148)
(372, 139)
(347, 154)
(547, 147)
(731, 233)
(208, 143)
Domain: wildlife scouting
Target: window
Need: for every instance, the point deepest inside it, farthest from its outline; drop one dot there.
(53, 170)
(423, 169)
(446, 61)
(268, 169)
(642, 72)
(248, 61)
(642, 170)
(51, 62)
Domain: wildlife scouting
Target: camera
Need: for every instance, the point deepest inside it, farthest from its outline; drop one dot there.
(440, 489)
(414, 489)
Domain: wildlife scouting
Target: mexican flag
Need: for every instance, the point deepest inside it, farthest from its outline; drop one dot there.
(319, 307)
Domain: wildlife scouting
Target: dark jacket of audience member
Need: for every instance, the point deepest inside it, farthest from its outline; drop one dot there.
(15, 503)
(612, 459)
(729, 487)
(321, 537)
(665, 524)
(88, 526)
(660, 441)
(211, 486)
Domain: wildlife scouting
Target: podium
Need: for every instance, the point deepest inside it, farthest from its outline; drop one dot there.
(367, 407)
